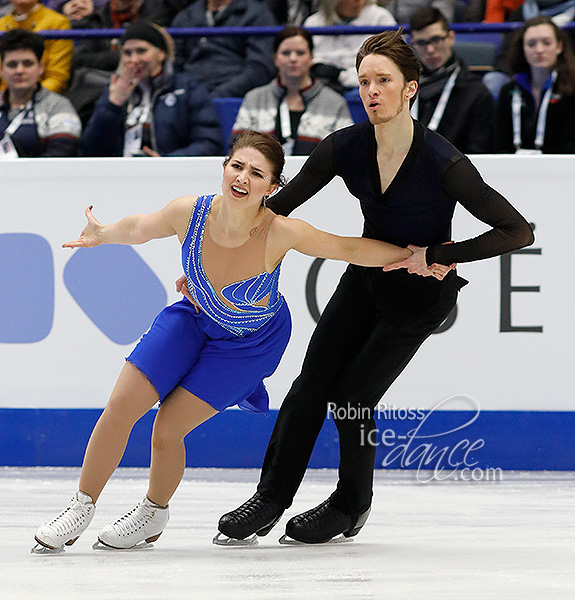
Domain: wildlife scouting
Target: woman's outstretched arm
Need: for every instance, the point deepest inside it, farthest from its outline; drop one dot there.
(136, 229)
(303, 237)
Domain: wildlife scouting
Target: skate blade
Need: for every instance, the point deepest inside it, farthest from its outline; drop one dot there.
(287, 541)
(224, 540)
(44, 550)
(139, 546)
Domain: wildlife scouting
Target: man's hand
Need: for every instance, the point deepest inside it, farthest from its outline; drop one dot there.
(182, 288)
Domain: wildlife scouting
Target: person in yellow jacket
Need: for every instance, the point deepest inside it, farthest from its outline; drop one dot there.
(32, 15)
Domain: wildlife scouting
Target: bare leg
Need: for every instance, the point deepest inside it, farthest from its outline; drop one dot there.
(133, 396)
(180, 412)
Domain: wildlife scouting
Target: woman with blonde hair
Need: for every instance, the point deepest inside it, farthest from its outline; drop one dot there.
(336, 53)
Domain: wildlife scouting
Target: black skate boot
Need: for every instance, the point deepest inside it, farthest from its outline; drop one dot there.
(323, 523)
(255, 517)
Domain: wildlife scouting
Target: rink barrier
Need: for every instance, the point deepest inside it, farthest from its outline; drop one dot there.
(506, 440)
(180, 32)
(505, 353)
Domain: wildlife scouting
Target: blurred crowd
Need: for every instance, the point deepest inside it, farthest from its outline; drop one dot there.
(142, 93)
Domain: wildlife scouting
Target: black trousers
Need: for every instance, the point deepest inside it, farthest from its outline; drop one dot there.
(366, 336)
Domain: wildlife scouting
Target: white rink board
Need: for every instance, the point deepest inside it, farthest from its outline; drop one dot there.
(75, 366)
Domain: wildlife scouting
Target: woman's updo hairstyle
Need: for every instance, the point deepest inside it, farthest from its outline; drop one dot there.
(270, 148)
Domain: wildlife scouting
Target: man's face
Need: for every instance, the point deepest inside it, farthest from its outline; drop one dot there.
(21, 7)
(433, 45)
(383, 90)
(21, 70)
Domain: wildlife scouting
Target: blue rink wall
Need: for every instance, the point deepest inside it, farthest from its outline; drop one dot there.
(518, 440)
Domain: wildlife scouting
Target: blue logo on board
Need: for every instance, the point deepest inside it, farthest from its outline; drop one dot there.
(114, 287)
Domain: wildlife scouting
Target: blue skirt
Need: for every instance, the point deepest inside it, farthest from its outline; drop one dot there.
(187, 349)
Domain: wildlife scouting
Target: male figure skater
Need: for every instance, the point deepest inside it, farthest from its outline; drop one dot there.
(408, 180)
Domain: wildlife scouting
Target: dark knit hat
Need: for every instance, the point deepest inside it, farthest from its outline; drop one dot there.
(142, 30)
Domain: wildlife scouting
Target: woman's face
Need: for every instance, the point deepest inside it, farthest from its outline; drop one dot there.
(293, 58)
(349, 9)
(248, 176)
(541, 47)
(145, 59)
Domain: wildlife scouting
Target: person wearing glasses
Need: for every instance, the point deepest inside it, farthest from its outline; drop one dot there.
(451, 101)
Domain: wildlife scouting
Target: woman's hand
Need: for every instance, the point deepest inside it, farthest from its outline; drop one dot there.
(90, 236)
(182, 288)
(416, 264)
(123, 83)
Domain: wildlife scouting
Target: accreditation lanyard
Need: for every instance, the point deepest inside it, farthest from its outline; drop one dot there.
(18, 119)
(541, 118)
(442, 103)
(285, 128)
(7, 148)
(137, 116)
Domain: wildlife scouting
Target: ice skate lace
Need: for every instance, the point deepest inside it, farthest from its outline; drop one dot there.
(72, 517)
(255, 508)
(135, 519)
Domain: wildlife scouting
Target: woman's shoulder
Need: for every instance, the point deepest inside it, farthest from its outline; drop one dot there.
(285, 228)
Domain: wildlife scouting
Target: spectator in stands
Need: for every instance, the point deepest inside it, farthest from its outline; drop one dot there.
(229, 66)
(451, 100)
(297, 110)
(403, 9)
(293, 12)
(33, 121)
(5, 7)
(104, 53)
(148, 110)
(95, 59)
(78, 11)
(562, 11)
(31, 15)
(498, 11)
(336, 53)
(536, 110)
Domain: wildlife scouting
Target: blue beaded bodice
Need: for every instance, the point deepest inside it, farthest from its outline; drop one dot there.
(244, 295)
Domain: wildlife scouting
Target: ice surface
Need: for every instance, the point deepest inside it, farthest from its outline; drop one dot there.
(509, 539)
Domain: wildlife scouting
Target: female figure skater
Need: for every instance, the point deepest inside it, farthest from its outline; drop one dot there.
(237, 324)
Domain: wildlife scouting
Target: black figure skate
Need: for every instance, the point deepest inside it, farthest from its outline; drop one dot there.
(253, 518)
(323, 524)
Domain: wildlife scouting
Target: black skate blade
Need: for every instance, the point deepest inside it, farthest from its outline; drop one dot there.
(140, 546)
(223, 540)
(285, 540)
(44, 550)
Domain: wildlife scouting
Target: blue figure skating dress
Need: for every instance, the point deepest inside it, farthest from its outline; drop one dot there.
(223, 353)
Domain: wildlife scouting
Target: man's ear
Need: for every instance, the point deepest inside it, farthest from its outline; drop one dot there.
(411, 89)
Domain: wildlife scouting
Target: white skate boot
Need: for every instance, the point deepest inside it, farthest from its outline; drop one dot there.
(67, 527)
(137, 528)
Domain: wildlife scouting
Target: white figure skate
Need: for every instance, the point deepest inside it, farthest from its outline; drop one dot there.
(136, 529)
(67, 527)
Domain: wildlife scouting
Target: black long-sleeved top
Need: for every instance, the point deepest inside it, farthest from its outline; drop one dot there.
(418, 205)
(469, 118)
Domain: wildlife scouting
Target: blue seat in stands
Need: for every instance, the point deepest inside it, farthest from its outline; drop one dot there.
(227, 110)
